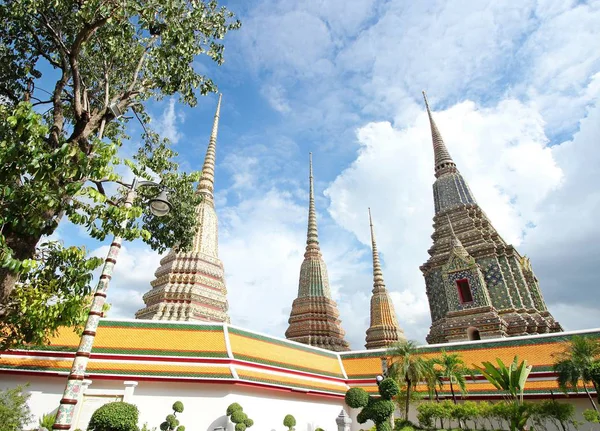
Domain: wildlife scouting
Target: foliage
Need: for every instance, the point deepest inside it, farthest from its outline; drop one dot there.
(379, 410)
(239, 417)
(91, 55)
(432, 375)
(591, 415)
(579, 360)
(453, 368)
(171, 422)
(14, 411)
(116, 416)
(319, 429)
(552, 411)
(407, 368)
(47, 420)
(356, 398)
(289, 421)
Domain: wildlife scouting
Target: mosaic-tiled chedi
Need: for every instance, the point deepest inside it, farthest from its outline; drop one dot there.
(314, 318)
(190, 286)
(478, 286)
(384, 329)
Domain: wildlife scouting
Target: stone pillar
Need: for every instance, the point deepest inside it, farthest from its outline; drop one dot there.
(129, 388)
(343, 421)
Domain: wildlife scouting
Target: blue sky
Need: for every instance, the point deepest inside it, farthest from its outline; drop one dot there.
(515, 88)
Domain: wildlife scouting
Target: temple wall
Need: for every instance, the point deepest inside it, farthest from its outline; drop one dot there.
(204, 403)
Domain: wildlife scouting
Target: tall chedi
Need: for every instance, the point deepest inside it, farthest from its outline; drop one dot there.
(478, 286)
(314, 318)
(191, 285)
(384, 329)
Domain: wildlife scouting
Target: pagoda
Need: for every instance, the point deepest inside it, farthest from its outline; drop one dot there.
(384, 329)
(190, 286)
(478, 286)
(314, 319)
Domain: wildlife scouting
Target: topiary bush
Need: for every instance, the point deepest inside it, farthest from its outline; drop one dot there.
(116, 416)
(171, 422)
(377, 410)
(239, 417)
(289, 421)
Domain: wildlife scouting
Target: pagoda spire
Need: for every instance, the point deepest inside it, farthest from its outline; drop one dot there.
(378, 282)
(312, 234)
(384, 329)
(190, 286)
(207, 182)
(441, 155)
(314, 318)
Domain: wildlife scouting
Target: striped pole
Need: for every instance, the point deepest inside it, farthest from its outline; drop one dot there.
(68, 402)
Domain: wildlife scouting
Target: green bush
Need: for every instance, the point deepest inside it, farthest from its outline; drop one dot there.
(171, 422)
(47, 420)
(14, 412)
(319, 429)
(289, 421)
(232, 408)
(117, 416)
(552, 411)
(238, 417)
(591, 415)
(357, 398)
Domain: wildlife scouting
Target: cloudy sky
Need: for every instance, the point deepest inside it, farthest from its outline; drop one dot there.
(514, 86)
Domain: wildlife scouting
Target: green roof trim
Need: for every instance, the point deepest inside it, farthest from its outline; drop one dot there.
(151, 324)
(295, 385)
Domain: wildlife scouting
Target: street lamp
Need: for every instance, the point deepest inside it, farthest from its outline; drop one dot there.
(160, 206)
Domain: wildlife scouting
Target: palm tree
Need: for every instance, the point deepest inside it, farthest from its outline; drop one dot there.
(454, 369)
(406, 367)
(577, 362)
(432, 375)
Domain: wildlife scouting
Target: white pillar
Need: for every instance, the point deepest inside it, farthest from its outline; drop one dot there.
(129, 388)
(343, 421)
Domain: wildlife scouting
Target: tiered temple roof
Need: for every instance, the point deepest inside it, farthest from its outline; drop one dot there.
(190, 286)
(314, 318)
(478, 286)
(384, 329)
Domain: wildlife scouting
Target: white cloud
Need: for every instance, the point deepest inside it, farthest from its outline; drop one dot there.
(167, 125)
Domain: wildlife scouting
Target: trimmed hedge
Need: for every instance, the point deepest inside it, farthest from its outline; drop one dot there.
(116, 416)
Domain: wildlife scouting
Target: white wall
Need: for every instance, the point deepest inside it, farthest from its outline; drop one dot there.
(204, 403)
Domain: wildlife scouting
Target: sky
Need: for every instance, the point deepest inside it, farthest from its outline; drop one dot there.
(514, 87)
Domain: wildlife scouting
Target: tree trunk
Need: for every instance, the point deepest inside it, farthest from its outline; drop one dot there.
(407, 399)
(590, 397)
(452, 391)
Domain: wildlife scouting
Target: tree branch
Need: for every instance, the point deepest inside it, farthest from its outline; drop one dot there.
(140, 64)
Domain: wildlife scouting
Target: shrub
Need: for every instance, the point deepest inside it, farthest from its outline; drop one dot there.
(591, 415)
(171, 422)
(552, 411)
(117, 416)
(357, 398)
(232, 408)
(47, 420)
(238, 417)
(14, 412)
(289, 421)
(319, 429)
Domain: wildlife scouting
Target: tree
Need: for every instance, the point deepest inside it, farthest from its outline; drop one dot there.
(14, 411)
(432, 375)
(407, 367)
(510, 380)
(454, 369)
(578, 362)
(84, 62)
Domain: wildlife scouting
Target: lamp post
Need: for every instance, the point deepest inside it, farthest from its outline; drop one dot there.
(160, 206)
